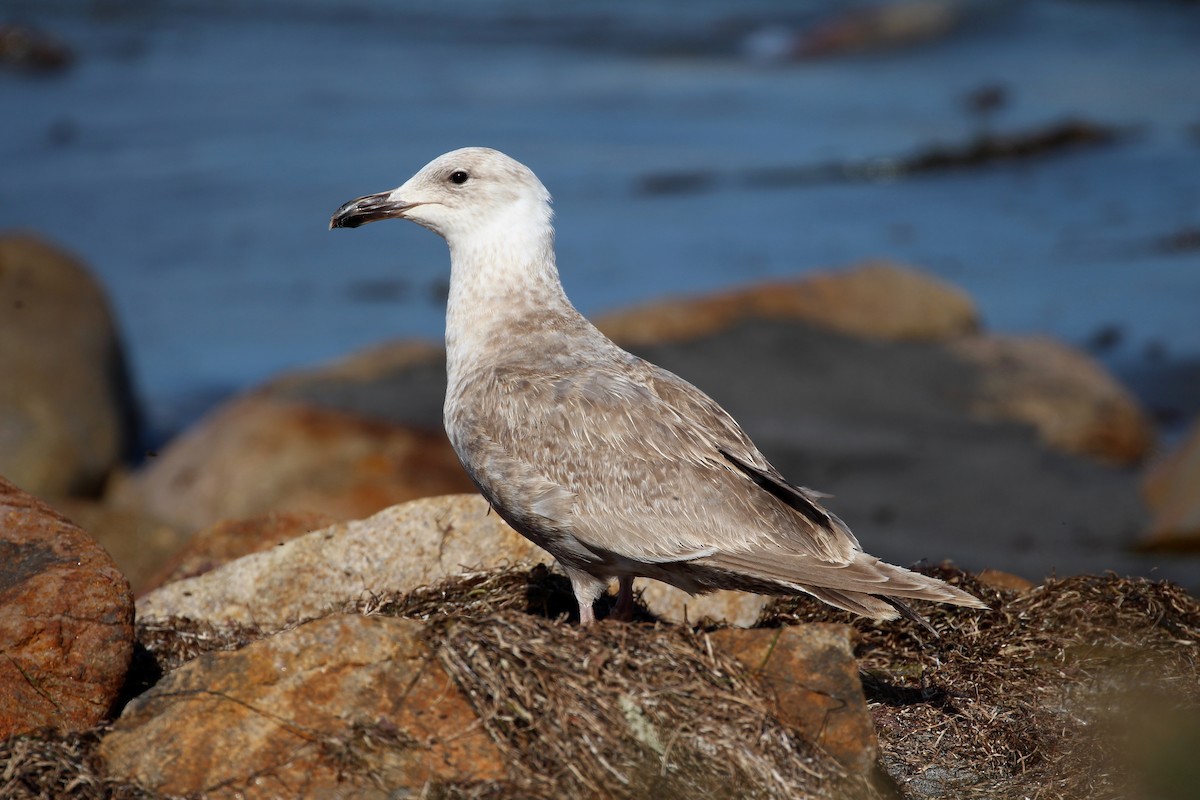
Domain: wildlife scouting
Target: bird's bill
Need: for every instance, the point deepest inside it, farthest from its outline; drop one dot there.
(370, 208)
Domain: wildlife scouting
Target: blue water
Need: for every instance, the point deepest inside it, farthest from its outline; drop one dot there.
(194, 153)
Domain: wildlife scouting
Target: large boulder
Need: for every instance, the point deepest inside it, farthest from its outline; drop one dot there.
(876, 299)
(346, 706)
(262, 453)
(66, 620)
(1074, 404)
(66, 407)
(396, 550)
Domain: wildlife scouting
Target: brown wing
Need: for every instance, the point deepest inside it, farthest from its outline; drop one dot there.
(655, 469)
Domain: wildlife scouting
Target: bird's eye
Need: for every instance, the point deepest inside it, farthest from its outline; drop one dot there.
(458, 176)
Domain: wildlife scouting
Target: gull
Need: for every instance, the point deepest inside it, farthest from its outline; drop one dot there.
(616, 467)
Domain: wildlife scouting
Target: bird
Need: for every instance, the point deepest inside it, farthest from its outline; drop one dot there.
(616, 467)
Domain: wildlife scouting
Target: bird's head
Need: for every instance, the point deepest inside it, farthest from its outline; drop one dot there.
(463, 193)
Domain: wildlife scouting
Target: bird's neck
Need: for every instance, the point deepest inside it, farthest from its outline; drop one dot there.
(501, 285)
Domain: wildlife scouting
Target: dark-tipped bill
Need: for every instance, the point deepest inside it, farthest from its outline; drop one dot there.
(368, 209)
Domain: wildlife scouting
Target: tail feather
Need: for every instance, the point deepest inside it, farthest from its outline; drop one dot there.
(864, 585)
(865, 605)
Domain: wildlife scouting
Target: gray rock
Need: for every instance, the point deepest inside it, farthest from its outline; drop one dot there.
(66, 405)
(396, 550)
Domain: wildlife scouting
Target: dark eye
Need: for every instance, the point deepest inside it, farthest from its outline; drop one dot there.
(458, 176)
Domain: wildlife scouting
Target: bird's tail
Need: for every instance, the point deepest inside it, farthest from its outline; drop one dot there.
(864, 585)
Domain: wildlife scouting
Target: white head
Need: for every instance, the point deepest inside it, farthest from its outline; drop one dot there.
(474, 193)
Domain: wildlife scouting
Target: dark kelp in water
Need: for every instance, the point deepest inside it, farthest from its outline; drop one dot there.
(983, 150)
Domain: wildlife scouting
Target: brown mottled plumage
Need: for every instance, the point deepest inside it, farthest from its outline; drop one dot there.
(616, 467)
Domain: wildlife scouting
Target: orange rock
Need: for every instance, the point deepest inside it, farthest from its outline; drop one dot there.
(813, 674)
(343, 706)
(259, 454)
(876, 299)
(998, 579)
(1071, 400)
(231, 539)
(66, 620)
(1172, 490)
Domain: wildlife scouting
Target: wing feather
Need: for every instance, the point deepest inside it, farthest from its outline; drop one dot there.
(655, 469)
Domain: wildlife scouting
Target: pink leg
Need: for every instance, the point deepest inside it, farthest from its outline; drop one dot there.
(587, 589)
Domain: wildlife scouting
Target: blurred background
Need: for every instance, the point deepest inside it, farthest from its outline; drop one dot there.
(1043, 156)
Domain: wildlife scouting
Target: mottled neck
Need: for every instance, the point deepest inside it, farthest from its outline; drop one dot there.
(501, 286)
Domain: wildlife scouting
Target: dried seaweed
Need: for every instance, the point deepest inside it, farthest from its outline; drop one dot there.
(174, 642)
(50, 765)
(1066, 690)
(615, 711)
(1036, 698)
(475, 595)
(626, 711)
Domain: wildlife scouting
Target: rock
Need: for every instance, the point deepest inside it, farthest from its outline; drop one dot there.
(876, 299)
(1075, 405)
(396, 550)
(66, 620)
(138, 543)
(1172, 490)
(740, 609)
(346, 706)
(66, 407)
(260, 453)
(1005, 581)
(813, 675)
(230, 540)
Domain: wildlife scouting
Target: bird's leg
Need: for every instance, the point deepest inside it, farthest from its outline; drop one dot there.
(587, 589)
(623, 610)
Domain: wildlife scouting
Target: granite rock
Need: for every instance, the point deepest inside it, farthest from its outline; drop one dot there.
(66, 620)
(345, 706)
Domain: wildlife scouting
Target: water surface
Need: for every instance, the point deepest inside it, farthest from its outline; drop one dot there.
(194, 153)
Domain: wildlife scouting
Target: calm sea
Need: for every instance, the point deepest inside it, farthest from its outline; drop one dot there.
(194, 152)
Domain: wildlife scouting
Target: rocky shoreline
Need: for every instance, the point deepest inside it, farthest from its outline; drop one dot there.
(323, 609)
